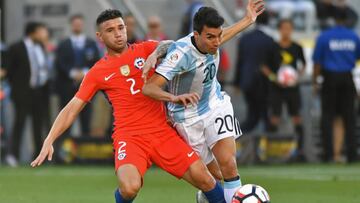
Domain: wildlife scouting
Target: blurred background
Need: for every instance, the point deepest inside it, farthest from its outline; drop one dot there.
(281, 124)
(301, 130)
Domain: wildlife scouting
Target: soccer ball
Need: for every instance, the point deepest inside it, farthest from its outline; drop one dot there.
(287, 76)
(251, 193)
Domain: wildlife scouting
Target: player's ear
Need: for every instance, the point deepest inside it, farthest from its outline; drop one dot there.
(98, 35)
(196, 34)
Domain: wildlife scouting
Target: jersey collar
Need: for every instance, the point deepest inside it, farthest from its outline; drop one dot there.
(194, 44)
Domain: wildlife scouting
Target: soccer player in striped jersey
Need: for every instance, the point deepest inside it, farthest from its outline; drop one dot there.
(190, 66)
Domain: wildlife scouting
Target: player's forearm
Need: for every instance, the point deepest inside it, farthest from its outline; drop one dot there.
(156, 92)
(162, 48)
(233, 30)
(268, 73)
(63, 121)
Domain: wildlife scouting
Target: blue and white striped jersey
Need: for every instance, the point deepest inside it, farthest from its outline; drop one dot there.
(188, 70)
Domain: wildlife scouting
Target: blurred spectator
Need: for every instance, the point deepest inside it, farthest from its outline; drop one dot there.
(27, 72)
(338, 137)
(3, 98)
(335, 54)
(224, 66)
(351, 15)
(324, 10)
(155, 30)
(187, 20)
(325, 13)
(257, 56)
(74, 57)
(130, 23)
(292, 57)
(305, 9)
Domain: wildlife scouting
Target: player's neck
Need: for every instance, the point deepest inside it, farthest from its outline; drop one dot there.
(196, 45)
(285, 42)
(112, 52)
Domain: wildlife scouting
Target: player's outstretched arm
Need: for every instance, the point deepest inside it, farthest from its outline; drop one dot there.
(153, 89)
(253, 10)
(63, 121)
(159, 52)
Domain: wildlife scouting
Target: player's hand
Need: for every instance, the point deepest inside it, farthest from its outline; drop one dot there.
(254, 8)
(185, 99)
(47, 151)
(149, 63)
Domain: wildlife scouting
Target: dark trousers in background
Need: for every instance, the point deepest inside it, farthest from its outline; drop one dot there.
(33, 105)
(338, 98)
(256, 98)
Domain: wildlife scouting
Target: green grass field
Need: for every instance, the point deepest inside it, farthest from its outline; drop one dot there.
(86, 184)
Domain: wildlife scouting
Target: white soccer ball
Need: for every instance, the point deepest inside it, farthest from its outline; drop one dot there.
(287, 76)
(251, 193)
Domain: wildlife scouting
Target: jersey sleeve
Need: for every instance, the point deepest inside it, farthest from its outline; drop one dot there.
(150, 46)
(88, 87)
(175, 63)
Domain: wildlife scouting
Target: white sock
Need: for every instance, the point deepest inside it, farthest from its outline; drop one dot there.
(230, 188)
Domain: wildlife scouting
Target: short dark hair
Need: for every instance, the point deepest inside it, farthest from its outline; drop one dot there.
(340, 14)
(207, 16)
(31, 27)
(76, 16)
(263, 19)
(285, 20)
(108, 15)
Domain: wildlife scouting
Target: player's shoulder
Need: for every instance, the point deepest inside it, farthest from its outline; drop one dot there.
(297, 45)
(102, 63)
(183, 44)
(143, 44)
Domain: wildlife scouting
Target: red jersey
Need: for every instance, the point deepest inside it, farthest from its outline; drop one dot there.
(119, 77)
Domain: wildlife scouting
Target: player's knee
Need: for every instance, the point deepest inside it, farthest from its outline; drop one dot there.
(202, 177)
(228, 167)
(130, 188)
(205, 182)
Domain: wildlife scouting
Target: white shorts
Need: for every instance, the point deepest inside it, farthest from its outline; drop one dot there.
(203, 134)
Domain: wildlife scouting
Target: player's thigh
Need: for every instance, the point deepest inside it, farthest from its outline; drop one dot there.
(225, 154)
(131, 151)
(172, 154)
(224, 149)
(193, 135)
(222, 124)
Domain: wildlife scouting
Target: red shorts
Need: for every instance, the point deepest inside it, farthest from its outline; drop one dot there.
(166, 149)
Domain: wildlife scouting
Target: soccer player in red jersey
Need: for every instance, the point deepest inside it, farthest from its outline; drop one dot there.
(141, 135)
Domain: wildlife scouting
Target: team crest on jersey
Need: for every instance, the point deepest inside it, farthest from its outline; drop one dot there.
(125, 70)
(174, 57)
(139, 63)
(121, 156)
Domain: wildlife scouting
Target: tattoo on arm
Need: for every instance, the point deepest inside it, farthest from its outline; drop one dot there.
(162, 48)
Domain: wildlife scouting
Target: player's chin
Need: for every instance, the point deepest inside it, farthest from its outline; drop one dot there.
(212, 51)
(119, 46)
